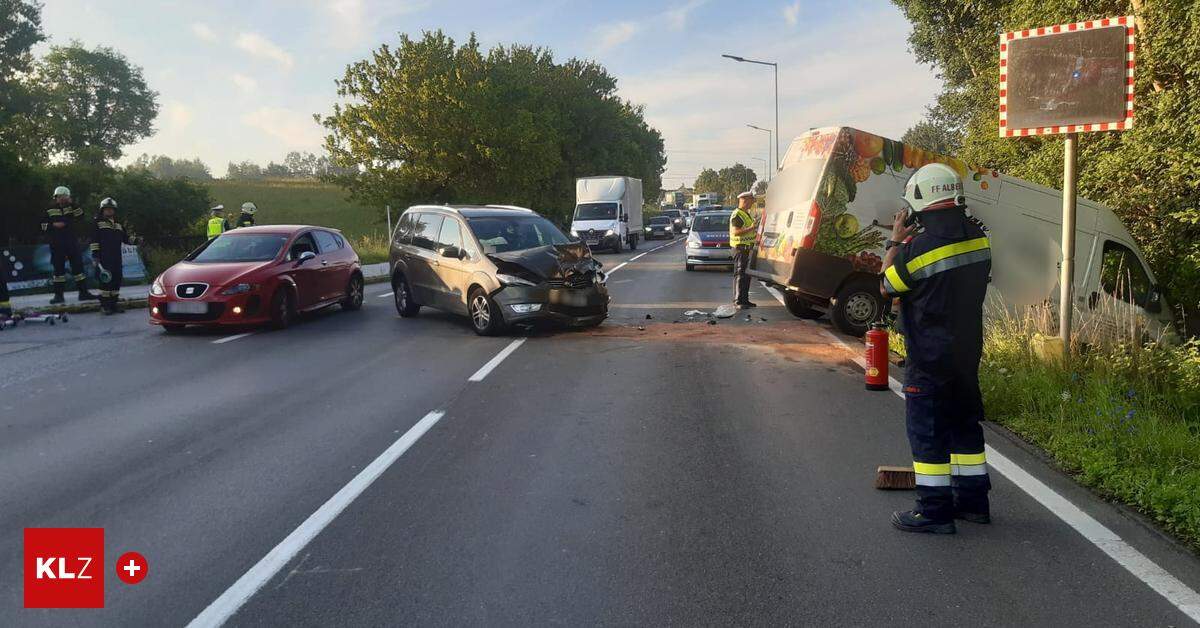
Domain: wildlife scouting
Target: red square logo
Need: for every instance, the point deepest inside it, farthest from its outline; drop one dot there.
(64, 567)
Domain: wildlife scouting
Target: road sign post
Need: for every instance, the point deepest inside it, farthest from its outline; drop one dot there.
(1067, 79)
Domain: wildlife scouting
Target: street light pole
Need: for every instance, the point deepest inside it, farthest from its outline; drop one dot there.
(776, 67)
(769, 143)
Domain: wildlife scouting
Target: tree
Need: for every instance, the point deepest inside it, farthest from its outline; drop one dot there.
(95, 102)
(433, 121)
(20, 31)
(931, 136)
(1150, 174)
(708, 181)
(164, 167)
(760, 188)
(734, 180)
(243, 170)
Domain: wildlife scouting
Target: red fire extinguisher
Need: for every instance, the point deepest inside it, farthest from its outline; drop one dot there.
(877, 357)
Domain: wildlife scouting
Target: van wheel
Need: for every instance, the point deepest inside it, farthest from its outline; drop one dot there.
(402, 294)
(485, 316)
(619, 246)
(799, 306)
(633, 239)
(859, 304)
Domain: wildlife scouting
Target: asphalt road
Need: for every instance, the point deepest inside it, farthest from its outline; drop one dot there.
(653, 471)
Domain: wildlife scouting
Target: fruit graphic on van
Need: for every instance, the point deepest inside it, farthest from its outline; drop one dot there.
(867, 145)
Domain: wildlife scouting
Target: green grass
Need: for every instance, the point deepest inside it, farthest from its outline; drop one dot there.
(290, 201)
(1123, 418)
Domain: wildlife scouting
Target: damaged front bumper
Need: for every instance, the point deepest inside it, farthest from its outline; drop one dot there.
(572, 307)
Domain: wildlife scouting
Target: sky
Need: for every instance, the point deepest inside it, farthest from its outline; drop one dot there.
(241, 80)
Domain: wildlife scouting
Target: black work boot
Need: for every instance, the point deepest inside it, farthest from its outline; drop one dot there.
(913, 521)
(58, 295)
(106, 306)
(973, 517)
(115, 305)
(84, 295)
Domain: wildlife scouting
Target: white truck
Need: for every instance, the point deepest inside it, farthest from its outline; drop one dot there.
(830, 209)
(608, 212)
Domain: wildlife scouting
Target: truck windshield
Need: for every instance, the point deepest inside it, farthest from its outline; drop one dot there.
(595, 211)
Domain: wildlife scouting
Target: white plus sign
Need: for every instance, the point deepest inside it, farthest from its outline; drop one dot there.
(132, 568)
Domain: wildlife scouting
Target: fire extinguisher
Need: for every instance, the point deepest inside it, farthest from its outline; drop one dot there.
(877, 357)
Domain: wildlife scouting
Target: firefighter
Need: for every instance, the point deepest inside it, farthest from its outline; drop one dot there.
(246, 219)
(940, 276)
(217, 224)
(108, 234)
(60, 234)
(741, 238)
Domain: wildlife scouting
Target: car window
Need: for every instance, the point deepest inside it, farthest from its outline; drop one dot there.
(302, 244)
(501, 234)
(326, 241)
(660, 220)
(239, 247)
(451, 234)
(403, 233)
(425, 230)
(341, 242)
(1123, 276)
(710, 222)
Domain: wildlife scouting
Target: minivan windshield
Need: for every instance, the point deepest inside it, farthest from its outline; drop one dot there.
(501, 234)
(711, 221)
(660, 220)
(595, 211)
(235, 247)
(672, 213)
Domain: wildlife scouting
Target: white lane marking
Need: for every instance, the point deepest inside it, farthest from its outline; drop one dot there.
(494, 362)
(1160, 580)
(235, 596)
(221, 341)
(622, 264)
(386, 295)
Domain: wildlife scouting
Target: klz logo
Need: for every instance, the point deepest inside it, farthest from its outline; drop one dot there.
(64, 567)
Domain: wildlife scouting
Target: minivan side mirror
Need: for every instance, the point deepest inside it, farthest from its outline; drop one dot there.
(625, 218)
(452, 251)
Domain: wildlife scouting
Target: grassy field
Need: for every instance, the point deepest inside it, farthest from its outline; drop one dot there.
(289, 201)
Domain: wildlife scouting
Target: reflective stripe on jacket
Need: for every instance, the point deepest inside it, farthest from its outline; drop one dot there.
(741, 228)
(216, 226)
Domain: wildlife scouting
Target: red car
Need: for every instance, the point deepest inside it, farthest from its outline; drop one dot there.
(264, 274)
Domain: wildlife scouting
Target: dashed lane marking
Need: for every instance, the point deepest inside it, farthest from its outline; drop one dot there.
(494, 362)
(221, 341)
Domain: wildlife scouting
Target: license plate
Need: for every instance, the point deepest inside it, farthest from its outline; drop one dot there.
(569, 298)
(187, 307)
(593, 242)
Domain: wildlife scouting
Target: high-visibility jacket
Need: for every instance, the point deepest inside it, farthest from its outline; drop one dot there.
(741, 228)
(217, 226)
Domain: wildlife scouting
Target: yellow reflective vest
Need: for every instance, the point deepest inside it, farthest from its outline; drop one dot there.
(741, 228)
(216, 226)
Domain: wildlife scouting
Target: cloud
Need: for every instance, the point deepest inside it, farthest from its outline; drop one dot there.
(177, 116)
(203, 32)
(243, 82)
(355, 20)
(293, 129)
(260, 46)
(791, 13)
(677, 17)
(612, 35)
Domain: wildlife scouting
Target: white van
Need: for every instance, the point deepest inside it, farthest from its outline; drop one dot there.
(608, 212)
(829, 211)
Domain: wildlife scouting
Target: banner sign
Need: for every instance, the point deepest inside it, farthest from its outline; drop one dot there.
(1067, 78)
(26, 267)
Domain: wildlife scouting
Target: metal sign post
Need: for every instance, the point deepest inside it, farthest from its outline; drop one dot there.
(1067, 79)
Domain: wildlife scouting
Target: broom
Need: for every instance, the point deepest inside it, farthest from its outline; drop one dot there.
(895, 478)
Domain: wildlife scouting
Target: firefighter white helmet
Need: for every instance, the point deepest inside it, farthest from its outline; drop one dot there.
(934, 186)
(249, 208)
(108, 202)
(62, 190)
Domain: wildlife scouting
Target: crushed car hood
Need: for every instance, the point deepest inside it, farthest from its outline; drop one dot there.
(558, 261)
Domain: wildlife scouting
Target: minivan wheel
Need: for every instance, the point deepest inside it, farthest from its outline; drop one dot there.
(354, 294)
(617, 248)
(859, 304)
(283, 309)
(485, 316)
(402, 293)
(799, 306)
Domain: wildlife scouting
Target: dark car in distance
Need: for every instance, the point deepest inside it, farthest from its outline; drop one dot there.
(659, 227)
(498, 265)
(253, 275)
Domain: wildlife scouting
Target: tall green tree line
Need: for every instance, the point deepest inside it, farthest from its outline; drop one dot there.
(1150, 175)
(430, 120)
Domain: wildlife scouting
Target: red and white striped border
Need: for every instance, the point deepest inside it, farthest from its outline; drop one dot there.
(1126, 21)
